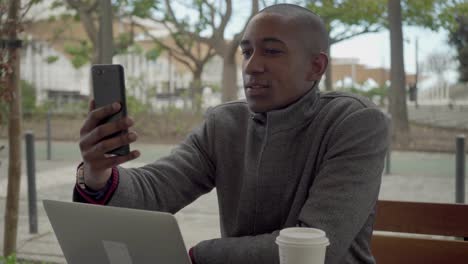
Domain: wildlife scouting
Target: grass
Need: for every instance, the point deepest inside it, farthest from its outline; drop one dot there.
(13, 260)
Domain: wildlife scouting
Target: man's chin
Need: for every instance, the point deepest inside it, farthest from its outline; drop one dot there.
(258, 108)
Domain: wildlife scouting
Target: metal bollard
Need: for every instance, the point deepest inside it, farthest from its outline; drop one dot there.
(389, 151)
(31, 170)
(460, 170)
(49, 147)
(387, 162)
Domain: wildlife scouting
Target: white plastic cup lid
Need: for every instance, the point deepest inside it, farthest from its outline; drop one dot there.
(303, 236)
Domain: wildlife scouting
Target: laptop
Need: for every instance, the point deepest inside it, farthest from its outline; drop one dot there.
(111, 235)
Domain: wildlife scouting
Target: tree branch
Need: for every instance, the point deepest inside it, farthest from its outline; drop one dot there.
(336, 39)
(194, 36)
(172, 17)
(27, 7)
(212, 13)
(158, 41)
(92, 7)
(73, 4)
(237, 37)
(184, 61)
(171, 32)
(86, 19)
(225, 19)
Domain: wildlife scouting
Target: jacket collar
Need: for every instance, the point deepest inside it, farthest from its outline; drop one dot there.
(292, 115)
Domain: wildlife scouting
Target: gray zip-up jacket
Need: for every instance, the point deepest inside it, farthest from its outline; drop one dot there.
(316, 163)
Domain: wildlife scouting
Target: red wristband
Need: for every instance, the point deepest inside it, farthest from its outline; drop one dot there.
(192, 258)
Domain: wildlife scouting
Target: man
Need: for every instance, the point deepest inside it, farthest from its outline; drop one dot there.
(288, 156)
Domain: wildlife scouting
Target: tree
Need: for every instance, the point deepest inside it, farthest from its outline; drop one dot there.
(228, 49)
(96, 18)
(438, 62)
(210, 19)
(398, 109)
(106, 36)
(181, 45)
(431, 14)
(456, 20)
(346, 19)
(10, 92)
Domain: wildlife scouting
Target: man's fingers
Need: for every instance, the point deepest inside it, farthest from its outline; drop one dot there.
(113, 161)
(84, 128)
(97, 115)
(103, 131)
(91, 105)
(117, 160)
(100, 149)
(115, 142)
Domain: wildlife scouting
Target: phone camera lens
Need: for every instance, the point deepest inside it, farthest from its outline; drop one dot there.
(99, 72)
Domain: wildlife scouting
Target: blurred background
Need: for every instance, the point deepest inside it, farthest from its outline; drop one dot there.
(182, 57)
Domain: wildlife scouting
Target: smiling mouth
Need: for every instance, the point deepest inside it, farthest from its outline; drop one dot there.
(256, 90)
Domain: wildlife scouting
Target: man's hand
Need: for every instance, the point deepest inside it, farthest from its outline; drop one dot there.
(97, 164)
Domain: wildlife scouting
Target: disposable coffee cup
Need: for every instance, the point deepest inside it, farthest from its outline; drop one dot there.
(302, 245)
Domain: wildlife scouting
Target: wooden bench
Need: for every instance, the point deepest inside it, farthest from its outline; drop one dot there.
(448, 220)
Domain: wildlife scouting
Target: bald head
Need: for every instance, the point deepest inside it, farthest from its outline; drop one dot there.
(309, 25)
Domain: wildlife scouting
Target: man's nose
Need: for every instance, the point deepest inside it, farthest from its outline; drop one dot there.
(254, 65)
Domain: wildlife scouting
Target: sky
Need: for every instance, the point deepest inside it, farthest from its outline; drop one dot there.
(372, 50)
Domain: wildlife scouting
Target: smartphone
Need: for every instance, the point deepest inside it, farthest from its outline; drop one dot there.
(108, 83)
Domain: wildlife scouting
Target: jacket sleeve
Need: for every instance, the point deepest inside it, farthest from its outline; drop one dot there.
(172, 182)
(344, 193)
(340, 201)
(238, 250)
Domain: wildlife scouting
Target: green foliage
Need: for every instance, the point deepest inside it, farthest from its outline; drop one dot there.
(8, 260)
(349, 14)
(78, 108)
(51, 59)
(28, 93)
(135, 106)
(459, 39)
(345, 18)
(421, 13)
(75, 107)
(139, 8)
(122, 42)
(215, 87)
(44, 107)
(13, 260)
(451, 13)
(455, 19)
(81, 53)
(142, 8)
(57, 4)
(135, 49)
(153, 54)
(28, 96)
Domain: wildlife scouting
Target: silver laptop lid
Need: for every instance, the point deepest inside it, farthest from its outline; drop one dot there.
(103, 234)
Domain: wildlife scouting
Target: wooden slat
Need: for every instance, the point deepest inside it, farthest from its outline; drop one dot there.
(392, 250)
(422, 218)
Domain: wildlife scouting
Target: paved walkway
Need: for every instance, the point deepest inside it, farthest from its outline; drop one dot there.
(198, 221)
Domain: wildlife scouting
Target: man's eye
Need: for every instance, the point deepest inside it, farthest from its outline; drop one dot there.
(246, 53)
(272, 51)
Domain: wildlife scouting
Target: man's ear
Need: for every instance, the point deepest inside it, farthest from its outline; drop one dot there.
(318, 66)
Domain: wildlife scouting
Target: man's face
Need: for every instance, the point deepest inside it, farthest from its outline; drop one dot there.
(275, 63)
